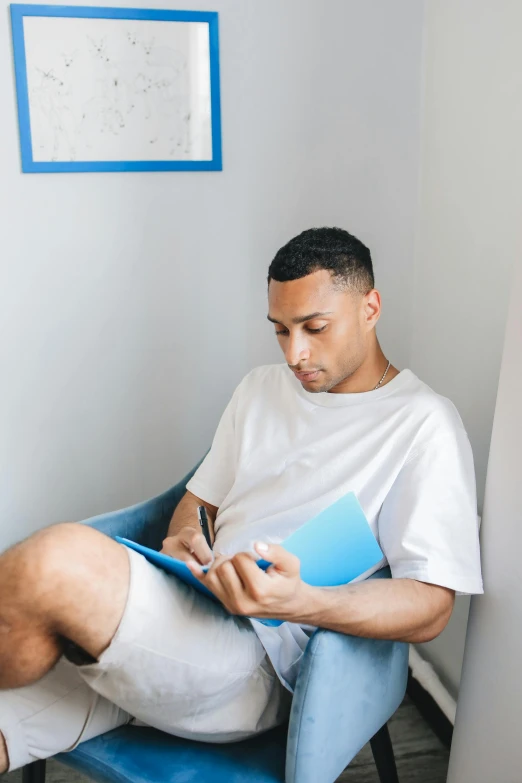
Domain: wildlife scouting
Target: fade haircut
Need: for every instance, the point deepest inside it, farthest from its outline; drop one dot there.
(342, 254)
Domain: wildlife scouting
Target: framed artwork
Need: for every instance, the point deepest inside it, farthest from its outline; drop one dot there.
(116, 89)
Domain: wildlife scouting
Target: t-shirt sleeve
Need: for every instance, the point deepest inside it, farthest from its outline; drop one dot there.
(215, 476)
(428, 524)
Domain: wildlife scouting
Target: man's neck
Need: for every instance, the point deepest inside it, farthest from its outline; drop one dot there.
(368, 375)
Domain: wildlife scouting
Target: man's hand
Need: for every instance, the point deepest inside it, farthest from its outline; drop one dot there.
(188, 544)
(245, 589)
(405, 610)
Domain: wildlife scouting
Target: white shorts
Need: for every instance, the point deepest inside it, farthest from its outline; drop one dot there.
(178, 662)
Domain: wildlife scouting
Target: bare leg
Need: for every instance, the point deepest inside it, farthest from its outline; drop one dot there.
(67, 581)
(4, 760)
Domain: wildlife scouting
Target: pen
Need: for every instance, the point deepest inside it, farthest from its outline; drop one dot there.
(203, 521)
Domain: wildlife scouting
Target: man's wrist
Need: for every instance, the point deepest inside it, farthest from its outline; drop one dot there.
(310, 605)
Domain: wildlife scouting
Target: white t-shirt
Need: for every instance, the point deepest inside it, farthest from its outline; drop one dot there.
(281, 455)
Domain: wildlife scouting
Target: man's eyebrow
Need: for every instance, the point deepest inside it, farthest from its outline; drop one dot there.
(301, 318)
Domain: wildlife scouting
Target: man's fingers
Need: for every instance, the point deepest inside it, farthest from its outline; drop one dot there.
(230, 579)
(213, 577)
(174, 548)
(198, 571)
(247, 569)
(196, 545)
(188, 544)
(282, 561)
(201, 550)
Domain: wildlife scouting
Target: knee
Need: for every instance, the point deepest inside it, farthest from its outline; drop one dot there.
(48, 560)
(56, 537)
(4, 759)
(60, 549)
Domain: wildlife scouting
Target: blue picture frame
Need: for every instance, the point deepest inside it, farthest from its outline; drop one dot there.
(29, 165)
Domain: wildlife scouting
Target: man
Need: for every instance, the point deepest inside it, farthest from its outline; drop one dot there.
(93, 636)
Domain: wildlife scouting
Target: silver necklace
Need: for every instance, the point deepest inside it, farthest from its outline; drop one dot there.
(383, 377)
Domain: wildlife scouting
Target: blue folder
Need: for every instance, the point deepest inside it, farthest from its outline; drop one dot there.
(170, 564)
(334, 547)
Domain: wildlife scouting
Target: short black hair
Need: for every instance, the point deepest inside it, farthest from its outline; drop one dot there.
(345, 256)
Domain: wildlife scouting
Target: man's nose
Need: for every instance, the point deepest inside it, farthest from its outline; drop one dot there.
(297, 350)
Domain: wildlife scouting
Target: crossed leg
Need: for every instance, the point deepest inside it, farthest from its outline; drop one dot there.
(163, 654)
(4, 760)
(66, 583)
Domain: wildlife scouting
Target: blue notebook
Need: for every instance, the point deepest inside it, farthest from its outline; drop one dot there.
(334, 547)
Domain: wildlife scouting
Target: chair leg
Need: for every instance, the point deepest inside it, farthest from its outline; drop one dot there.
(383, 754)
(34, 773)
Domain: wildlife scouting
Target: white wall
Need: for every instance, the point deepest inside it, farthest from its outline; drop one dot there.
(469, 226)
(490, 701)
(131, 304)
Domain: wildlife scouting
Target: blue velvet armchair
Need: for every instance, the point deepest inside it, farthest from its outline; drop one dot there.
(347, 689)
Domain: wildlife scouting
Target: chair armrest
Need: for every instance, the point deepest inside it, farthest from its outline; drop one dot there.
(347, 689)
(146, 523)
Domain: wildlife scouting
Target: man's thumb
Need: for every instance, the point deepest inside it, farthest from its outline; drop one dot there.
(282, 561)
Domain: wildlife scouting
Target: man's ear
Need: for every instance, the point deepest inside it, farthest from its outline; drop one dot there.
(371, 308)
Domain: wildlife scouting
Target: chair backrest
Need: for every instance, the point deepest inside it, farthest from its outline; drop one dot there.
(147, 522)
(347, 689)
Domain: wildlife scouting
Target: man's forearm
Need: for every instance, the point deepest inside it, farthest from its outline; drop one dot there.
(400, 609)
(186, 515)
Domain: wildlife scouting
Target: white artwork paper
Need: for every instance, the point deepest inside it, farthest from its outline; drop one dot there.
(118, 90)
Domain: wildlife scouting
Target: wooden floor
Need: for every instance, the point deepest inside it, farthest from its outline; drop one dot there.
(421, 757)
